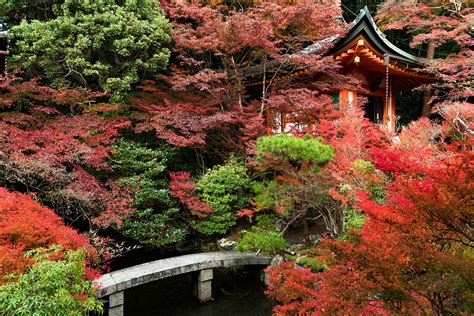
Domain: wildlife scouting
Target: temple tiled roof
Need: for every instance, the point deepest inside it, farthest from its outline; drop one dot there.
(364, 25)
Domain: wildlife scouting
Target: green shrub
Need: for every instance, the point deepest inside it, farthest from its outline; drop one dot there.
(290, 148)
(291, 183)
(266, 221)
(290, 257)
(150, 193)
(130, 158)
(268, 242)
(154, 229)
(269, 193)
(51, 287)
(374, 187)
(354, 219)
(145, 170)
(313, 263)
(155, 222)
(364, 165)
(103, 44)
(225, 189)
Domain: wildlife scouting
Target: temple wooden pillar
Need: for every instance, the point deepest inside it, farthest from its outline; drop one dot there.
(347, 98)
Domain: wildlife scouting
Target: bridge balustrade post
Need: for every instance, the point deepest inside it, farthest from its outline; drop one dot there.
(204, 285)
(116, 302)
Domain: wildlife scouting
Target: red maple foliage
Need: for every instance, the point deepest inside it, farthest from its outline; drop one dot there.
(412, 254)
(81, 139)
(47, 136)
(223, 81)
(183, 121)
(438, 23)
(181, 187)
(26, 225)
(25, 94)
(110, 202)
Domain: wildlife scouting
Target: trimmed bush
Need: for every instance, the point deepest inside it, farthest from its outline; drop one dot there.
(267, 242)
(226, 190)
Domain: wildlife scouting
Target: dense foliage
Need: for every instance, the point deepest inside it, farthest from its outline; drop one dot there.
(51, 287)
(16, 10)
(297, 189)
(226, 189)
(262, 241)
(413, 252)
(26, 225)
(42, 261)
(96, 44)
(154, 220)
(367, 221)
(421, 263)
(447, 26)
(48, 138)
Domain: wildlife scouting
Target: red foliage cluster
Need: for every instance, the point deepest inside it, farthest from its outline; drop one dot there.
(270, 30)
(213, 61)
(45, 127)
(30, 92)
(438, 22)
(294, 287)
(46, 135)
(245, 212)
(409, 257)
(183, 123)
(307, 107)
(181, 187)
(111, 202)
(81, 139)
(26, 225)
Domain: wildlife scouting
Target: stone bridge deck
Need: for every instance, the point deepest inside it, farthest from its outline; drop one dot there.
(120, 280)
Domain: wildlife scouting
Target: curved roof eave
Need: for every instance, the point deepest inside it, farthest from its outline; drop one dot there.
(365, 23)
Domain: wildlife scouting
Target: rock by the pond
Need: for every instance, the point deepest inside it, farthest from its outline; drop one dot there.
(314, 239)
(226, 244)
(278, 259)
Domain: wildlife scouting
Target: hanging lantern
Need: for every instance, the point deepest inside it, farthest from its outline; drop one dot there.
(3, 45)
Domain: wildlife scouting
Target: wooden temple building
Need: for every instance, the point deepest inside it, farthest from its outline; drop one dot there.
(382, 69)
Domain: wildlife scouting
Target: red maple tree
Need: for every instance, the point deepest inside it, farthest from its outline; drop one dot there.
(410, 257)
(26, 225)
(47, 138)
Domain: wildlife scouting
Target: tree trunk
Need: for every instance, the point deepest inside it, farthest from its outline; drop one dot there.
(426, 110)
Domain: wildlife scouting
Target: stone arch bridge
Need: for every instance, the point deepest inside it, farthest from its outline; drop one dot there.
(113, 285)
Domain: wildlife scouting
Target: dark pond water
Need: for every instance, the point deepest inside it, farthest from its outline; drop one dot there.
(235, 292)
